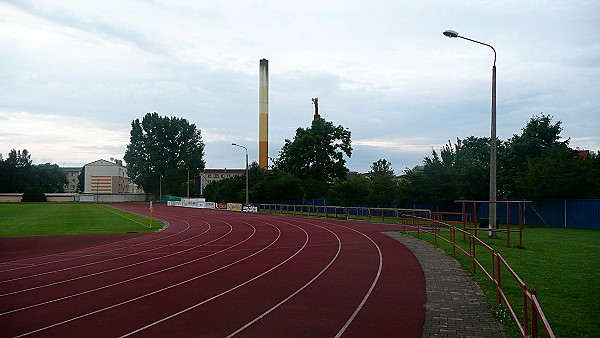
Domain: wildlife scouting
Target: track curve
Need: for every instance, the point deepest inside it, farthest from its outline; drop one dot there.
(215, 273)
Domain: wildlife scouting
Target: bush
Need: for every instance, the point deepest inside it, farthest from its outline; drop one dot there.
(33, 194)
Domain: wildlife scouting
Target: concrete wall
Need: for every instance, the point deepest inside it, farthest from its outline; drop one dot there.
(113, 198)
(5, 198)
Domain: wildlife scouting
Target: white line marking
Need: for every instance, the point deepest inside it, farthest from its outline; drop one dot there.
(108, 208)
(82, 249)
(154, 292)
(224, 292)
(368, 294)
(87, 264)
(297, 291)
(127, 280)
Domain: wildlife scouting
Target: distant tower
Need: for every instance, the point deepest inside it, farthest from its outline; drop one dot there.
(263, 114)
(315, 101)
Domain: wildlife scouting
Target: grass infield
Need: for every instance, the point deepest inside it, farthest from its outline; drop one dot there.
(70, 219)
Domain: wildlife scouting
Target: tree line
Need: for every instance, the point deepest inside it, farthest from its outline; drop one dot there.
(19, 175)
(163, 152)
(536, 164)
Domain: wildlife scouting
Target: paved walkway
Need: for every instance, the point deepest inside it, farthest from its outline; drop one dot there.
(456, 306)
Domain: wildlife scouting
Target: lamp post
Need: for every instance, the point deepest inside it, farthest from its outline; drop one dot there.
(493, 143)
(160, 189)
(237, 145)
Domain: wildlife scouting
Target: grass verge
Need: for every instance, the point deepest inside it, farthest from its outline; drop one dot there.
(70, 219)
(560, 263)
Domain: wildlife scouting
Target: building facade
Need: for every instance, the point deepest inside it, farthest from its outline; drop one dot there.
(73, 178)
(212, 175)
(106, 177)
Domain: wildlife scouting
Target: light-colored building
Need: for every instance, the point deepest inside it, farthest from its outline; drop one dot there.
(106, 177)
(73, 178)
(212, 175)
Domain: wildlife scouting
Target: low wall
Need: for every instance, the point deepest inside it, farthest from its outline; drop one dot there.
(10, 198)
(112, 198)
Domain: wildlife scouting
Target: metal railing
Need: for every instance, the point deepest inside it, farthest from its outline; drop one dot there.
(425, 221)
(532, 314)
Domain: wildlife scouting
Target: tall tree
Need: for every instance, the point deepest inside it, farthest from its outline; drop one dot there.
(458, 171)
(277, 186)
(48, 177)
(18, 170)
(18, 174)
(559, 173)
(537, 136)
(382, 167)
(164, 146)
(317, 152)
(349, 192)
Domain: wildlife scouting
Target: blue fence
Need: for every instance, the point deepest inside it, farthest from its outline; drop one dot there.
(571, 213)
(583, 214)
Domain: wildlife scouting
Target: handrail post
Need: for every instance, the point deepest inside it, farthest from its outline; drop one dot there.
(507, 224)
(498, 278)
(534, 315)
(525, 311)
(453, 238)
(472, 240)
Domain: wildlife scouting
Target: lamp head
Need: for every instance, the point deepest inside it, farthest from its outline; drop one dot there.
(451, 34)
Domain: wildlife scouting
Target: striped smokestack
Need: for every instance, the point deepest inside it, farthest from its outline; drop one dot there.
(263, 115)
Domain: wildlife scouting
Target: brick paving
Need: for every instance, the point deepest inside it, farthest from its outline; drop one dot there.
(456, 306)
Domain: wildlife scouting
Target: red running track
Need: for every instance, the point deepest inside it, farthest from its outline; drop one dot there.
(217, 274)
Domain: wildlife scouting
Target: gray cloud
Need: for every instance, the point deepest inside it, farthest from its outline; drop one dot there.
(383, 70)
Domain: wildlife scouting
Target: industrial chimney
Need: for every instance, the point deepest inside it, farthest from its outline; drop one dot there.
(263, 115)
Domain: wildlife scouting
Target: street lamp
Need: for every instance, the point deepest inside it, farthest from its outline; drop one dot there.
(493, 143)
(237, 145)
(160, 189)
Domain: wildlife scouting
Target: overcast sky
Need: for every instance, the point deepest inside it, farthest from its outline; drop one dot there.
(74, 74)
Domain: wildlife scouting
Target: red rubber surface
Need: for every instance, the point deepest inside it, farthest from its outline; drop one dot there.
(214, 273)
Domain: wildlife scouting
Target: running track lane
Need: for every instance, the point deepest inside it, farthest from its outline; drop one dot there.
(215, 273)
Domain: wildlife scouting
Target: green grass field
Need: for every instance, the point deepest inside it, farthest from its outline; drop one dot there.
(560, 263)
(69, 219)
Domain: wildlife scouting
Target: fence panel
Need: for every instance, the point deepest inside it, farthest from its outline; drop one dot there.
(575, 213)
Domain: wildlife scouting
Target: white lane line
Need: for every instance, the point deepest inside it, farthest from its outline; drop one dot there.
(297, 291)
(61, 254)
(108, 208)
(227, 291)
(368, 294)
(92, 263)
(159, 290)
(84, 249)
(120, 267)
(375, 280)
(131, 279)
